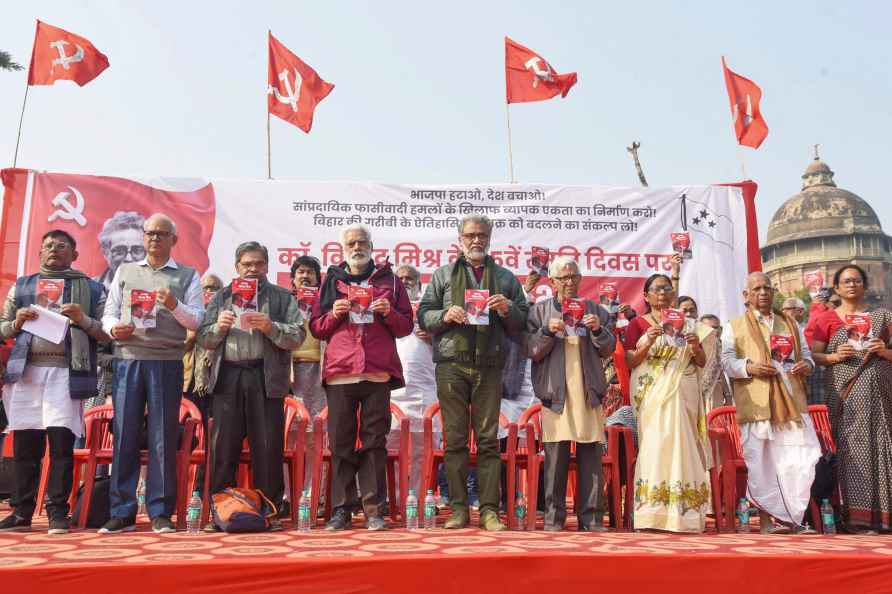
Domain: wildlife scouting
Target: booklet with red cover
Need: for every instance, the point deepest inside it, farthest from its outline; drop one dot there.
(681, 244)
(49, 293)
(608, 296)
(782, 350)
(572, 310)
(476, 306)
(244, 300)
(143, 308)
(539, 259)
(813, 281)
(673, 327)
(858, 330)
(360, 301)
(306, 298)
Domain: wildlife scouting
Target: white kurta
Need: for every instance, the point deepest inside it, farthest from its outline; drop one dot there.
(780, 462)
(41, 399)
(514, 408)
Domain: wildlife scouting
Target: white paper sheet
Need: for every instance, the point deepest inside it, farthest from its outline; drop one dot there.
(49, 325)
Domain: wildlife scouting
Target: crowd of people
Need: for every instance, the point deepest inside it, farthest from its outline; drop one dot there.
(418, 348)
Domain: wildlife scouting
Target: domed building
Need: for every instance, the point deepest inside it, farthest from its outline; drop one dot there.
(824, 227)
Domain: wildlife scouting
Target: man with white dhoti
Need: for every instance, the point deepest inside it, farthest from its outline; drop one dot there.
(416, 355)
(767, 358)
(46, 382)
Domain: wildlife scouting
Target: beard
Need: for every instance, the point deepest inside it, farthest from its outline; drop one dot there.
(475, 253)
(414, 293)
(359, 258)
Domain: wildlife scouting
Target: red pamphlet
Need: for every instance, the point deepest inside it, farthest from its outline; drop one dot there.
(476, 306)
(49, 293)
(360, 302)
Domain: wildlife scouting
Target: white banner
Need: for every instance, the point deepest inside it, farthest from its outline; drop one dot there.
(620, 235)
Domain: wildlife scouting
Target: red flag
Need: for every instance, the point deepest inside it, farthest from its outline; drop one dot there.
(60, 55)
(294, 88)
(749, 125)
(529, 77)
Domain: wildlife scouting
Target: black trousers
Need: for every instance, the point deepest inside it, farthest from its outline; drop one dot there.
(29, 446)
(589, 482)
(369, 462)
(241, 409)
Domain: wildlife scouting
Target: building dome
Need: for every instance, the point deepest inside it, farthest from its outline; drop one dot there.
(821, 210)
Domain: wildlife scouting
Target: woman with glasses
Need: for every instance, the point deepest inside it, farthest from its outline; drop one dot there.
(671, 382)
(859, 386)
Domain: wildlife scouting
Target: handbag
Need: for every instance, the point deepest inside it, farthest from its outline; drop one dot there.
(242, 510)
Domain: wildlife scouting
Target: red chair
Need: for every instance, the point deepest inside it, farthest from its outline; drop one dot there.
(397, 462)
(98, 451)
(435, 455)
(532, 420)
(292, 456)
(728, 477)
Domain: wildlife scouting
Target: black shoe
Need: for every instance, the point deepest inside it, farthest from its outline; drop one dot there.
(59, 525)
(284, 510)
(14, 523)
(376, 523)
(210, 528)
(275, 525)
(162, 525)
(116, 525)
(340, 520)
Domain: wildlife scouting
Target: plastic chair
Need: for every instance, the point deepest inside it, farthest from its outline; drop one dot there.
(397, 462)
(531, 419)
(98, 451)
(293, 457)
(435, 455)
(728, 478)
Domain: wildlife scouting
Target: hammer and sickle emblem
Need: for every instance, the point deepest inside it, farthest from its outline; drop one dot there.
(538, 74)
(292, 95)
(748, 113)
(65, 210)
(65, 60)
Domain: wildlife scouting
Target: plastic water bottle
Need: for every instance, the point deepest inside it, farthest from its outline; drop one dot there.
(303, 512)
(743, 515)
(827, 517)
(412, 511)
(520, 511)
(193, 514)
(430, 510)
(141, 496)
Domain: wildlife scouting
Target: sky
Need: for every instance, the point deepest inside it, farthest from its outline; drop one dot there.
(419, 92)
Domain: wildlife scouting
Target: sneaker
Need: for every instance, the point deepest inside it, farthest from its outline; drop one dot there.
(59, 525)
(340, 520)
(376, 523)
(489, 521)
(458, 520)
(162, 525)
(14, 523)
(116, 525)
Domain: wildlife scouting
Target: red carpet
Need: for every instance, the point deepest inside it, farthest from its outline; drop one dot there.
(466, 562)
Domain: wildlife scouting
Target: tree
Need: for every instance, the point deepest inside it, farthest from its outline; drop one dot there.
(6, 62)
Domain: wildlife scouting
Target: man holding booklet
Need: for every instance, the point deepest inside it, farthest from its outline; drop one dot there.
(469, 352)
(362, 309)
(151, 304)
(250, 329)
(568, 341)
(54, 317)
(767, 359)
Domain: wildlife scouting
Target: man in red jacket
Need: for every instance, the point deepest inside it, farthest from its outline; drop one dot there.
(361, 366)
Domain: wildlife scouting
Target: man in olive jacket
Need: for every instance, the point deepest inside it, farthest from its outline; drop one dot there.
(469, 361)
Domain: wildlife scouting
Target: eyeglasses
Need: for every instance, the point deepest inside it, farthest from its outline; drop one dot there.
(157, 234)
(662, 289)
(570, 278)
(210, 289)
(852, 281)
(121, 251)
(473, 236)
(59, 246)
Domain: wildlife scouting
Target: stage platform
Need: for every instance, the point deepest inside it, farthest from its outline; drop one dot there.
(465, 561)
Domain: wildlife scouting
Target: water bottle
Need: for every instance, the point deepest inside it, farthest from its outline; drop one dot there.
(743, 515)
(827, 517)
(193, 514)
(520, 511)
(141, 497)
(412, 511)
(303, 512)
(430, 510)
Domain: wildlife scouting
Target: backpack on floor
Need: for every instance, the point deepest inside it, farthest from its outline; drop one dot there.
(242, 510)
(100, 504)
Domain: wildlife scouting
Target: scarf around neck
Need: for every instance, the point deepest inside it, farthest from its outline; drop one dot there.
(78, 292)
(472, 342)
(780, 402)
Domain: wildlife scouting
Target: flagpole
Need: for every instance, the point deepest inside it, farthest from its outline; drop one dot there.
(742, 162)
(18, 138)
(269, 153)
(510, 155)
